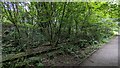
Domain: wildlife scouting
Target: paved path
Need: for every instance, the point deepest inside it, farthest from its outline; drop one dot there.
(107, 55)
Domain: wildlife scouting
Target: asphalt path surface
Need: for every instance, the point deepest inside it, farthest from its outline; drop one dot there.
(107, 55)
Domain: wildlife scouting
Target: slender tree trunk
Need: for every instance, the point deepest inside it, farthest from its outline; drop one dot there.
(61, 21)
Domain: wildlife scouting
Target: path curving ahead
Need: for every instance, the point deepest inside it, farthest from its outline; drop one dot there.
(107, 55)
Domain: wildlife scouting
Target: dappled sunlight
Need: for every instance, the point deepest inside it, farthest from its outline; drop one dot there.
(36, 34)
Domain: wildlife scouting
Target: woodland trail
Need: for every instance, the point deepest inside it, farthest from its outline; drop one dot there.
(107, 55)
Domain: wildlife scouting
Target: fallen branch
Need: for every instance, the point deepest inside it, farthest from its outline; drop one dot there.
(27, 54)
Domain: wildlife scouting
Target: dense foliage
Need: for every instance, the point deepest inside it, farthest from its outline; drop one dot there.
(28, 25)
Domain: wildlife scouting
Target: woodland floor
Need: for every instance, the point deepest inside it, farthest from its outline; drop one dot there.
(107, 55)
